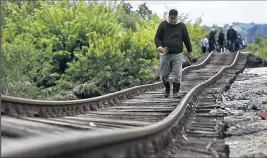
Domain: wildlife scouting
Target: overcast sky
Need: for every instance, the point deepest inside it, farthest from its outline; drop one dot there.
(218, 12)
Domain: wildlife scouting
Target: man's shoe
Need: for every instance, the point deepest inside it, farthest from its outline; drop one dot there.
(176, 88)
(167, 93)
(176, 95)
(167, 89)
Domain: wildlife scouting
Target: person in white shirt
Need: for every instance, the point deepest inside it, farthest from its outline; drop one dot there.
(205, 44)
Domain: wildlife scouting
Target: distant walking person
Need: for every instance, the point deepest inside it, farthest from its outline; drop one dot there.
(221, 41)
(212, 40)
(239, 42)
(169, 39)
(205, 45)
(231, 39)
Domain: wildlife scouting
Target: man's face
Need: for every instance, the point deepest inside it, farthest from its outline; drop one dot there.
(231, 27)
(173, 20)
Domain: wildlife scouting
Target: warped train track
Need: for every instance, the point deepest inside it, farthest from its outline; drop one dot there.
(136, 122)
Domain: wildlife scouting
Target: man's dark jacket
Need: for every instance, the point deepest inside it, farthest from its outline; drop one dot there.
(231, 34)
(221, 38)
(173, 37)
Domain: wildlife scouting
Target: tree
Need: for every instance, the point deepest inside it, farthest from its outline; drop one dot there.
(143, 11)
(127, 7)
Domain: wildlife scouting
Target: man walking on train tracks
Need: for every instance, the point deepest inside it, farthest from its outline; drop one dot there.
(231, 39)
(169, 39)
(212, 40)
(221, 41)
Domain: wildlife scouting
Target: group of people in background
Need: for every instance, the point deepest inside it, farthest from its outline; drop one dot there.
(232, 43)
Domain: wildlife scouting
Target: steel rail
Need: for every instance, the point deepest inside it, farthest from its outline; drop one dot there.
(124, 142)
(29, 107)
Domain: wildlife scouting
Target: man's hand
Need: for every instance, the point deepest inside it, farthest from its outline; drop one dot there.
(160, 49)
(190, 56)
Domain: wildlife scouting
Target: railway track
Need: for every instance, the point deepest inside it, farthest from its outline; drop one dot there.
(136, 122)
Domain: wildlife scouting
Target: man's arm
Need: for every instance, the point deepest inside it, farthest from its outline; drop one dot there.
(235, 35)
(186, 40)
(210, 37)
(159, 35)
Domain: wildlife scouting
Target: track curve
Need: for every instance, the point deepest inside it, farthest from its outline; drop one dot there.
(126, 120)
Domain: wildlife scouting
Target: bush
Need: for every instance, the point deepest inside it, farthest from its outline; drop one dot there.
(67, 50)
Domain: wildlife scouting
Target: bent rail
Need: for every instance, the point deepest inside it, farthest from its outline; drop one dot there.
(122, 143)
(18, 106)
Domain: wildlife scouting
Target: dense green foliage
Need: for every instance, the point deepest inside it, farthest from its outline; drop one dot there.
(60, 50)
(259, 47)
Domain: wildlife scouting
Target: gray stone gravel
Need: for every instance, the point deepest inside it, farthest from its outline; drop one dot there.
(248, 146)
(248, 132)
